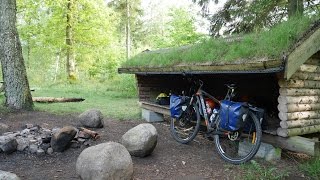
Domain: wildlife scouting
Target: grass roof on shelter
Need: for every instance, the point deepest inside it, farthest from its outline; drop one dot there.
(269, 44)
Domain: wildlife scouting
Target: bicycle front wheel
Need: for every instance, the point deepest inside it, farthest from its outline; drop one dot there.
(240, 146)
(185, 128)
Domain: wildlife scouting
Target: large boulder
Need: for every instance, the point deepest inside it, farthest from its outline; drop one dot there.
(141, 140)
(8, 176)
(108, 160)
(8, 144)
(91, 118)
(3, 128)
(61, 139)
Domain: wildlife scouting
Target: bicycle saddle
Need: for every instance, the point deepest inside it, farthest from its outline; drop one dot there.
(231, 86)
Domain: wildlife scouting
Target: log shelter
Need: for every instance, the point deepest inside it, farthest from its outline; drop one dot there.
(287, 88)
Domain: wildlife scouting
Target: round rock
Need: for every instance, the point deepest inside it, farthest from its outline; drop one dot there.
(61, 139)
(108, 160)
(91, 118)
(8, 144)
(141, 140)
(8, 176)
(3, 128)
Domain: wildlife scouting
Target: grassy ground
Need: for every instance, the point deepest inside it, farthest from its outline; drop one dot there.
(270, 44)
(116, 99)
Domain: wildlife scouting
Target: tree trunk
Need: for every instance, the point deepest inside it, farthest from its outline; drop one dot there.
(16, 85)
(295, 8)
(298, 99)
(298, 131)
(71, 65)
(299, 123)
(298, 107)
(299, 115)
(128, 29)
(299, 84)
(299, 92)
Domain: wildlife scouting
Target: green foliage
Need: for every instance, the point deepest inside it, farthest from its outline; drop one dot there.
(312, 168)
(270, 44)
(116, 99)
(255, 171)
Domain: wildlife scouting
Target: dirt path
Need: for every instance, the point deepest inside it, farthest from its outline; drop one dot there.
(170, 160)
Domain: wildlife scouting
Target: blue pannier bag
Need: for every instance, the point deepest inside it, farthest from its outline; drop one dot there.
(232, 115)
(176, 103)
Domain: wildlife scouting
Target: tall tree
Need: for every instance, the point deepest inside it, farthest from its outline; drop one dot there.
(16, 85)
(247, 15)
(71, 64)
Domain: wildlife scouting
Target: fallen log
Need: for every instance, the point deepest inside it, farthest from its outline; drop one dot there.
(298, 99)
(299, 115)
(299, 123)
(298, 107)
(55, 100)
(93, 134)
(298, 131)
(299, 92)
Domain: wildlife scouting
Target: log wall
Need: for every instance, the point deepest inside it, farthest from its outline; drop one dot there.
(299, 100)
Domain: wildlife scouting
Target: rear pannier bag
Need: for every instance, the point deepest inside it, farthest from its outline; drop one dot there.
(232, 115)
(175, 106)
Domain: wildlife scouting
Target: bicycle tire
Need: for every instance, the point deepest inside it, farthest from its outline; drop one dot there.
(185, 128)
(244, 147)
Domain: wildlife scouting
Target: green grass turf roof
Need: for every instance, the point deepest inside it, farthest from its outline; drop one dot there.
(271, 44)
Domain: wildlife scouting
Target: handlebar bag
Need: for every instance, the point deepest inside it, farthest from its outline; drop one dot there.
(232, 115)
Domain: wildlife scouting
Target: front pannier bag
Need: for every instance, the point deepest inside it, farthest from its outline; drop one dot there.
(232, 115)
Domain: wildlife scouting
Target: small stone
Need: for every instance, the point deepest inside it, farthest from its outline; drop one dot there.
(7, 133)
(45, 146)
(84, 135)
(50, 151)
(86, 143)
(33, 141)
(28, 126)
(36, 128)
(40, 152)
(22, 144)
(33, 148)
(4, 175)
(75, 144)
(25, 131)
(183, 162)
(61, 139)
(9, 145)
(81, 140)
(3, 128)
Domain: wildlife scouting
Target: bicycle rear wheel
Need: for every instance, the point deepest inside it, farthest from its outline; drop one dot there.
(240, 146)
(185, 128)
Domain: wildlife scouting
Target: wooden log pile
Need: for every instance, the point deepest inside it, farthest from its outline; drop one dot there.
(299, 101)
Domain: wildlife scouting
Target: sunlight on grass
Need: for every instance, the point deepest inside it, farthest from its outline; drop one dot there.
(312, 168)
(116, 99)
(270, 44)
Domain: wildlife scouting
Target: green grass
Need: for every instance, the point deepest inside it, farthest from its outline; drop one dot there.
(117, 99)
(256, 171)
(312, 168)
(270, 44)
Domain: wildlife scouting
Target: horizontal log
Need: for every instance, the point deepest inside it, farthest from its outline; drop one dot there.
(313, 61)
(306, 76)
(55, 100)
(299, 115)
(298, 99)
(309, 68)
(298, 131)
(295, 143)
(298, 107)
(299, 83)
(299, 92)
(299, 123)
